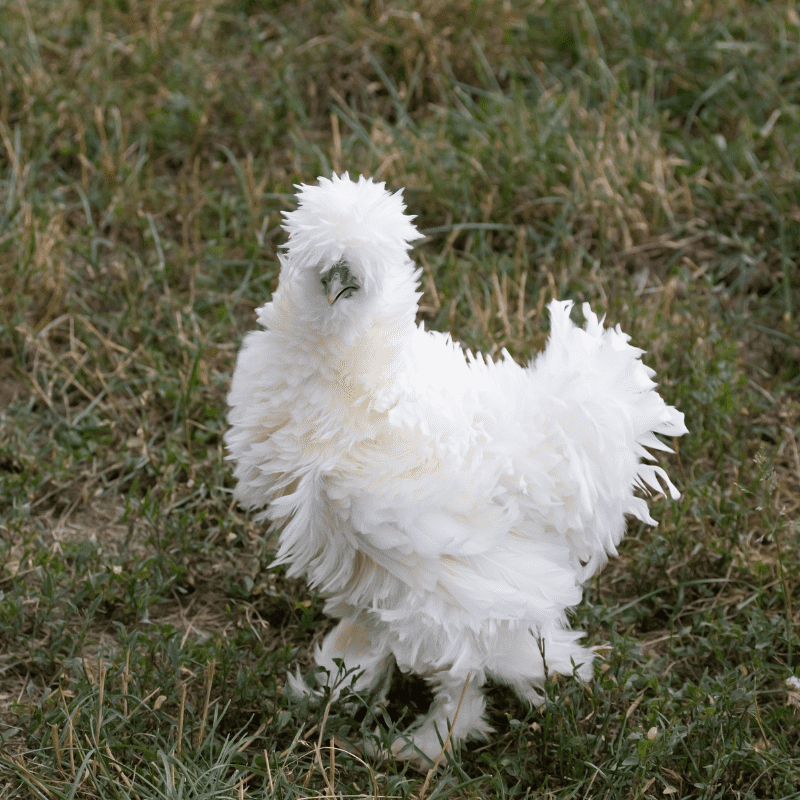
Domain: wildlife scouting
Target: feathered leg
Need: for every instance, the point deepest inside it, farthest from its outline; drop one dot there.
(360, 643)
(429, 737)
(525, 660)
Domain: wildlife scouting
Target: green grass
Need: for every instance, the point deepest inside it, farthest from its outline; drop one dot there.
(641, 156)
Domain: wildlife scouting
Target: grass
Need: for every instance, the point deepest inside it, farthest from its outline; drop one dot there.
(642, 157)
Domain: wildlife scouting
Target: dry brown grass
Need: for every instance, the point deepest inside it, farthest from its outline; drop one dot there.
(641, 157)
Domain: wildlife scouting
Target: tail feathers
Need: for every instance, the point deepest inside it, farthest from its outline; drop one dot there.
(593, 384)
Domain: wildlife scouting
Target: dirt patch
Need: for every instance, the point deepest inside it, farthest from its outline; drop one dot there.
(100, 521)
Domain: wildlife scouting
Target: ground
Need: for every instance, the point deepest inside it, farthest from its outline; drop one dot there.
(642, 157)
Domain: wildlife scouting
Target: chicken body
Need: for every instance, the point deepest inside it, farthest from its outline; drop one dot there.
(449, 508)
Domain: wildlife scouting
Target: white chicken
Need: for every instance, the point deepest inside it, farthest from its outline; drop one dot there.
(447, 507)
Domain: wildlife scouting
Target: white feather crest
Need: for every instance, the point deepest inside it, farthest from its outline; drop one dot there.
(341, 216)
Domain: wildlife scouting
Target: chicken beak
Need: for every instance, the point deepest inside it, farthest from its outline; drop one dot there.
(335, 288)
